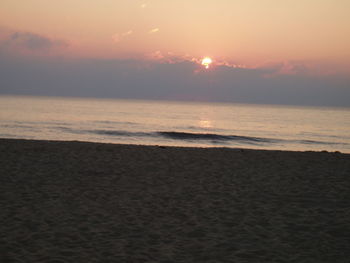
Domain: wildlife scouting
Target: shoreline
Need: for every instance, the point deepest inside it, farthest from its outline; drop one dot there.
(174, 146)
(65, 201)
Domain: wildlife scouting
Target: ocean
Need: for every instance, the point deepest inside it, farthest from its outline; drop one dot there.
(171, 123)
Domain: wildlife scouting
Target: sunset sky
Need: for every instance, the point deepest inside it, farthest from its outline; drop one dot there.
(305, 40)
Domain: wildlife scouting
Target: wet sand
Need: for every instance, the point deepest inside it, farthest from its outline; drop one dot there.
(91, 202)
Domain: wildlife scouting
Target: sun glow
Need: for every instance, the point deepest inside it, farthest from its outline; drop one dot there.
(206, 62)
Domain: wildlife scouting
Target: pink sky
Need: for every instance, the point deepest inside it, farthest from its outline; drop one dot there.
(251, 32)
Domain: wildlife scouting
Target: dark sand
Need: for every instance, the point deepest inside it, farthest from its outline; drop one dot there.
(90, 202)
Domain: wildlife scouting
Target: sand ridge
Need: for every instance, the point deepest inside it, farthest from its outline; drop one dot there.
(93, 202)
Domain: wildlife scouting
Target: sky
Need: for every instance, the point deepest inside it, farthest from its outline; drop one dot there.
(262, 51)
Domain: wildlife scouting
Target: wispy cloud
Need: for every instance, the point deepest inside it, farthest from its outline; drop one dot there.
(156, 55)
(127, 33)
(119, 37)
(144, 5)
(154, 30)
(169, 57)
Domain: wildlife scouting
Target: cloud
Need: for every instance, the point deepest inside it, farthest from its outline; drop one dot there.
(32, 41)
(154, 30)
(143, 5)
(119, 37)
(274, 69)
(127, 33)
(159, 79)
(170, 57)
(156, 55)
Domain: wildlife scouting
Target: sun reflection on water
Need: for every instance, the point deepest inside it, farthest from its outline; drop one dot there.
(205, 124)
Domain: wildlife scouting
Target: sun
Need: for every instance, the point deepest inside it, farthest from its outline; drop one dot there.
(206, 62)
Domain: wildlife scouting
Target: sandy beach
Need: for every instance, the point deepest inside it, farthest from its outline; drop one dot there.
(92, 202)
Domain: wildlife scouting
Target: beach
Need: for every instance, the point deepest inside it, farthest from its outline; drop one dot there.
(70, 201)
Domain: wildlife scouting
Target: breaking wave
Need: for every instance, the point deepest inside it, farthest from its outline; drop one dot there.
(175, 135)
(211, 136)
(208, 137)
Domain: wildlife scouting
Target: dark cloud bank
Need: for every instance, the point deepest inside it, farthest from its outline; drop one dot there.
(17, 40)
(153, 80)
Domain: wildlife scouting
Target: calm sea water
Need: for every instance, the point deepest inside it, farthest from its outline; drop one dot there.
(175, 123)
